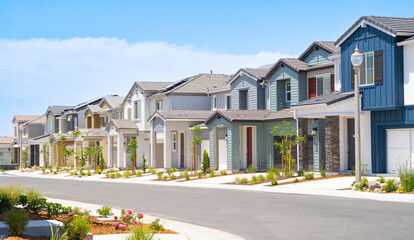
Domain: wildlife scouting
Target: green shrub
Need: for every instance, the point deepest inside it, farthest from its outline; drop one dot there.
(275, 171)
(159, 175)
(381, 179)
(406, 174)
(99, 171)
(274, 183)
(250, 169)
(140, 233)
(156, 225)
(242, 180)
(152, 171)
(17, 221)
(22, 200)
(301, 173)
(211, 172)
(73, 173)
(78, 228)
(186, 176)
(37, 205)
(165, 177)
(53, 209)
(389, 186)
(2, 170)
(362, 186)
(261, 178)
(88, 173)
(295, 180)
(205, 164)
(223, 172)
(127, 174)
(129, 168)
(172, 177)
(56, 235)
(323, 173)
(144, 166)
(309, 176)
(5, 204)
(352, 171)
(33, 194)
(55, 172)
(13, 192)
(138, 174)
(200, 174)
(104, 211)
(108, 175)
(270, 175)
(174, 169)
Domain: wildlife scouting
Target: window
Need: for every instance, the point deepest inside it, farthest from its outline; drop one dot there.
(117, 115)
(50, 125)
(158, 105)
(137, 109)
(103, 121)
(228, 102)
(288, 91)
(366, 74)
(323, 85)
(121, 115)
(174, 141)
(129, 113)
(15, 132)
(214, 102)
(243, 100)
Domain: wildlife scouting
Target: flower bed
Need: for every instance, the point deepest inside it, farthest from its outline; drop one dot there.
(311, 180)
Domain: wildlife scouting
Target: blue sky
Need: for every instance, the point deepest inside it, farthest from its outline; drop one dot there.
(58, 52)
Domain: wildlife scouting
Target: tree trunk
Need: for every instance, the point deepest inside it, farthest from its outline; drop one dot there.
(283, 156)
(192, 156)
(196, 158)
(133, 164)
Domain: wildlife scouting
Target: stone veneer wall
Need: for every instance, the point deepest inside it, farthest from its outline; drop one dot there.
(303, 146)
(332, 143)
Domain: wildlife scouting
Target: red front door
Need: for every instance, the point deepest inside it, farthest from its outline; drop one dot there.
(249, 146)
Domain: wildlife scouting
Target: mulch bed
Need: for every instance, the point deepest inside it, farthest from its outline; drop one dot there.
(98, 227)
(265, 181)
(311, 180)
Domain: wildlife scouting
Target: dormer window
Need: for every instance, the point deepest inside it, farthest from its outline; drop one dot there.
(288, 91)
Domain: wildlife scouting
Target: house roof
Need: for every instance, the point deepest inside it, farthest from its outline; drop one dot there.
(328, 46)
(297, 65)
(96, 132)
(327, 99)
(406, 41)
(251, 115)
(146, 87)
(39, 119)
(218, 89)
(196, 115)
(195, 85)
(93, 108)
(24, 118)
(122, 124)
(6, 140)
(92, 101)
(255, 73)
(58, 110)
(114, 101)
(391, 25)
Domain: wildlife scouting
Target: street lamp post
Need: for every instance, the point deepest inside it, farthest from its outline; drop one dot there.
(21, 147)
(356, 60)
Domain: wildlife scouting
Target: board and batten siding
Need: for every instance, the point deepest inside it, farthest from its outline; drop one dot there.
(390, 93)
(255, 93)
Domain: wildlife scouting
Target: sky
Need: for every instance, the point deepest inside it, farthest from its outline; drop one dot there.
(66, 52)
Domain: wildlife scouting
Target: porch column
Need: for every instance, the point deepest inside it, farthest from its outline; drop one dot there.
(303, 146)
(167, 147)
(153, 142)
(110, 151)
(332, 143)
(120, 150)
(76, 153)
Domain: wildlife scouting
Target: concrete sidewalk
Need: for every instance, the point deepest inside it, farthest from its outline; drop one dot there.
(186, 230)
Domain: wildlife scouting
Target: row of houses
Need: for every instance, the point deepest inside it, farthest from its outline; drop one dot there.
(236, 113)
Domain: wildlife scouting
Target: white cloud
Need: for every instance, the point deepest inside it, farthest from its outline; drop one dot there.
(51, 72)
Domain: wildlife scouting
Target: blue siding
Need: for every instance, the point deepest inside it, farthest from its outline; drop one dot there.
(382, 96)
(380, 121)
(255, 93)
(317, 57)
(277, 88)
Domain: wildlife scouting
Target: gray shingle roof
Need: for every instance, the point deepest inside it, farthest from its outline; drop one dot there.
(94, 108)
(182, 114)
(152, 86)
(58, 110)
(39, 119)
(122, 124)
(114, 101)
(96, 132)
(257, 73)
(327, 99)
(297, 65)
(25, 118)
(251, 115)
(222, 88)
(394, 25)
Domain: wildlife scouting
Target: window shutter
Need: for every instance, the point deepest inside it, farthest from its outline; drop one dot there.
(312, 87)
(378, 67)
(332, 83)
(352, 77)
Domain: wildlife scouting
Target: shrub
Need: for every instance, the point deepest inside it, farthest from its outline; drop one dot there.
(138, 174)
(295, 180)
(156, 225)
(205, 164)
(274, 183)
(152, 171)
(22, 200)
(144, 166)
(13, 192)
(242, 180)
(33, 194)
(17, 221)
(37, 205)
(159, 175)
(406, 175)
(352, 171)
(73, 173)
(200, 174)
(309, 176)
(211, 172)
(254, 179)
(270, 175)
(5, 204)
(301, 173)
(381, 179)
(99, 171)
(223, 172)
(362, 186)
(165, 177)
(129, 168)
(53, 209)
(55, 172)
(78, 227)
(172, 177)
(55, 235)
(108, 175)
(174, 169)
(323, 173)
(88, 173)
(250, 169)
(127, 174)
(104, 211)
(139, 233)
(275, 171)
(389, 186)
(2, 170)
(186, 176)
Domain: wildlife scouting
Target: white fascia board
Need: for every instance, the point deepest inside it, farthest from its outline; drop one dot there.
(404, 43)
(240, 74)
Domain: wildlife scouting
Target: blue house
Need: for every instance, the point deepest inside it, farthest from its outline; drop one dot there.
(383, 85)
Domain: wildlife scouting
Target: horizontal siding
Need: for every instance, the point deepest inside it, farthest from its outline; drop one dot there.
(278, 95)
(317, 57)
(255, 93)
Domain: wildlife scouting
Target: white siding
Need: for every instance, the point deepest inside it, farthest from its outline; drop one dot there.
(409, 74)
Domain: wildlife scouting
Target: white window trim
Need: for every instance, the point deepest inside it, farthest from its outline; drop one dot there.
(174, 141)
(290, 91)
(215, 102)
(226, 102)
(366, 74)
(322, 75)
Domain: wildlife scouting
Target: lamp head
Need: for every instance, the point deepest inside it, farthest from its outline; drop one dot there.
(356, 58)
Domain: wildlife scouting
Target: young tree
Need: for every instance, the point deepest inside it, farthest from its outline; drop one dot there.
(289, 140)
(206, 162)
(195, 142)
(98, 150)
(66, 153)
(132, 150)
(144, 166)
(25, 156)
(45, 153)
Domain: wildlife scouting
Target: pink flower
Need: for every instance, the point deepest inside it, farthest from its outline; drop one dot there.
(116, 217)
(70, 214)
(122, 227)
(126, 216)
(122, 223)
(131, 221)
(116, 224)
(140, 215)
(129, 212)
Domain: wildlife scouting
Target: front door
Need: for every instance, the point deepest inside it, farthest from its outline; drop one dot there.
(351, 143)
(182, 149)
(249, 146)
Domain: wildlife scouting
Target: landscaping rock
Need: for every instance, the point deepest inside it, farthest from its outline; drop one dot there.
(373, 184)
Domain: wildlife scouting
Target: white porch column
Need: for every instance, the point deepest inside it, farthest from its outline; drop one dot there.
(153, 142)
(120, 150)
(110, 151)
(76, 153)
(167, 147)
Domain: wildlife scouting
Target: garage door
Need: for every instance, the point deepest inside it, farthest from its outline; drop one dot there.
(400, 148)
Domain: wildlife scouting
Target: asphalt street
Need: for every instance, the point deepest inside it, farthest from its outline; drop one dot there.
(252, 215)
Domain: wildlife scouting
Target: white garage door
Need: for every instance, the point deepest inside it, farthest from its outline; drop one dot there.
(400, 148)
